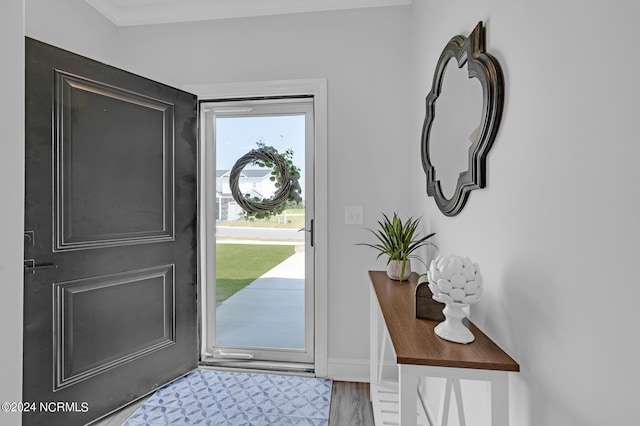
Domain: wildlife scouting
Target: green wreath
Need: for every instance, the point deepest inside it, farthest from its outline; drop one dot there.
(284, 173)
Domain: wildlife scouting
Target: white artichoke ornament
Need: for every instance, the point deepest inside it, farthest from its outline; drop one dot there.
(455, 279)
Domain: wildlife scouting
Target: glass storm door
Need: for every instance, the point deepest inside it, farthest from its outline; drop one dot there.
(259, 233)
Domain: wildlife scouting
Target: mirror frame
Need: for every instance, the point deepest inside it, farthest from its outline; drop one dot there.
(486, 68)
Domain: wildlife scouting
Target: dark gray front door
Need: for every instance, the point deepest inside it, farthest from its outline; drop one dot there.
(110, 237)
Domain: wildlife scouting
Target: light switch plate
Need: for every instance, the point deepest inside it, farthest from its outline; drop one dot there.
(353, 215)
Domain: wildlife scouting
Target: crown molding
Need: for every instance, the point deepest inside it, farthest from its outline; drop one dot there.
(145, 12)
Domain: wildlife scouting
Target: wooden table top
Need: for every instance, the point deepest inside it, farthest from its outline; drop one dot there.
(415, 341)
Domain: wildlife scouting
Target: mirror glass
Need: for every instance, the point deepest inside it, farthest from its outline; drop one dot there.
(458, 116)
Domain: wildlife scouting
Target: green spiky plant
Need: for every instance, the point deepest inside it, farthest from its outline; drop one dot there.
(398, 240)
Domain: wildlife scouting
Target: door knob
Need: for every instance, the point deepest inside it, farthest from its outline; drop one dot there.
(31, 265)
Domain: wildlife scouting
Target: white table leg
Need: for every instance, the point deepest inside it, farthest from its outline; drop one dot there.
(445, 404)
(500, 399)
(373, 336)
(457, 390)
(382, 342)
(408, 395)
(452, 385)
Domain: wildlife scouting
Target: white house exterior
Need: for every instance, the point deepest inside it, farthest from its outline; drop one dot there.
(256, 182)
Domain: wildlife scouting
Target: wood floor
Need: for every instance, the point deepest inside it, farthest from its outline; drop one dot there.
(350, 406)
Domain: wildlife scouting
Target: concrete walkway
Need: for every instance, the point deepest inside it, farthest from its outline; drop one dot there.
(269, 312)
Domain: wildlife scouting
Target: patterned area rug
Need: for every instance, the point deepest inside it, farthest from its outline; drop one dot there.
(205, 397)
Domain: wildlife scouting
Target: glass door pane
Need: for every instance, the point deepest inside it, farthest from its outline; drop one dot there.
(263, 285)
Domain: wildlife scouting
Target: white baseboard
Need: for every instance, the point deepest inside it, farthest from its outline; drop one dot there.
(356, 370)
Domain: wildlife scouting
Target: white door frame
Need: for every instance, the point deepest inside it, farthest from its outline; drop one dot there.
(318, 89)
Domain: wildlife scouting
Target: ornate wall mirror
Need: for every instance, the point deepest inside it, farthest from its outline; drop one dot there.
(469, 107)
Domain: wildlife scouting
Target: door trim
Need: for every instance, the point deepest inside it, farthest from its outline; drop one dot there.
(318, 89)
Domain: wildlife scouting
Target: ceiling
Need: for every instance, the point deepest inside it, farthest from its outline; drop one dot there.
(144, 12)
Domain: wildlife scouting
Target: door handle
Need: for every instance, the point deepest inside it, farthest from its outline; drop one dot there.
(31, 265)
(309, 230)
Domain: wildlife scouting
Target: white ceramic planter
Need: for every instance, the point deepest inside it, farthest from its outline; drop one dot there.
(394, 269)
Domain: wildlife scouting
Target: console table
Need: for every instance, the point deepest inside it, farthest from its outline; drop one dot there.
(420, 353)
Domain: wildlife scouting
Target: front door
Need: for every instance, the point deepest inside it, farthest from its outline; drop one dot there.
(110, 237)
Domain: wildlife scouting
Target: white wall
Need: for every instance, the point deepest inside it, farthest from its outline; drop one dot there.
(556, 230)
(75, 26)
(11, 194)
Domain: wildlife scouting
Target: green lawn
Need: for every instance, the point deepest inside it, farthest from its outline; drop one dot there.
(237, 265)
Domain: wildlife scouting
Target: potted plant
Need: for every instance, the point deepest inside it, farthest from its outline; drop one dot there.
(398, 240)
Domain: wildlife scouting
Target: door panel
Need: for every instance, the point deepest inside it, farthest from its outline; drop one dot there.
(110, 206)
(99, 323)
(95, 155)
